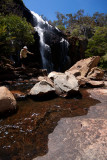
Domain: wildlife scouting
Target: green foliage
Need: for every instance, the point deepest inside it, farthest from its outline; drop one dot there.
(11, 7)
(81, 31)
(100, 19)
(97, 45)
(79, 24)
(92, 28)
(103, 62)
(61, 27)
(75, 32)
(61, 19)
(14, 33)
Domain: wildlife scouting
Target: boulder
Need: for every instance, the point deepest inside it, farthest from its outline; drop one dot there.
(82, 81)
(19, 95)
(86, 82)
(96, 74)
(84, 66)
(81, 137)
(41, 78)
(7, 100)
(65, 84)
(52, 74)
(94, 84)
(42, 89)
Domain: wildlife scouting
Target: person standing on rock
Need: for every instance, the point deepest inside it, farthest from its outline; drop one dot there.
(23, 56)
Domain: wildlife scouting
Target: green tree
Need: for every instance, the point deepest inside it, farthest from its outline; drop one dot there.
(61, 27)
(97, 45)
(14, 33)
(79, 15)
(69, 19)
(100, 19)
(61, 19)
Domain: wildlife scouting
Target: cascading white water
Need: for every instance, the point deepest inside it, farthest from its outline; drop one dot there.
(39, 22)
(65, 59)
(45, 30)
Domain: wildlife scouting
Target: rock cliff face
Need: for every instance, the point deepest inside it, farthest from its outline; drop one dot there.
(52, 46)
(77, 49)
(12, 6)
(59, 55)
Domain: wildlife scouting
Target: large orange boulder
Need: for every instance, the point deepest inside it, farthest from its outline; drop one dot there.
(7, 100)
(84, 66)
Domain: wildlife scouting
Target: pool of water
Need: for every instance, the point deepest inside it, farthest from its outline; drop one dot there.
(24, 135)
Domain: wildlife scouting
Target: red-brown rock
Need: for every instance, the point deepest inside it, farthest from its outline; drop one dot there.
(96, 74)
(84, 66)
(7, 100)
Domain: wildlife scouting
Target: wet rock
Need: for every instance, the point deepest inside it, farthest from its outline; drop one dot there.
(100, 94)
(65, 85)
(86, 82)
(81, 138)
(19, 95)
(105, 83)
(7, 100)
(8, 71)
(42, 89)
(94, 84)
(84, 66)
(96, 74)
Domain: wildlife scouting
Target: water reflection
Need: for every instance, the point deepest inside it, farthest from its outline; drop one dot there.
(24, 135)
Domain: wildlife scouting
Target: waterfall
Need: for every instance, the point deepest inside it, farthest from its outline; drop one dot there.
(65, 59)
(45, 32)
(45, 49)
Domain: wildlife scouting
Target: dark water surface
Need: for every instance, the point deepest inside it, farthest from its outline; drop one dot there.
(24, 135)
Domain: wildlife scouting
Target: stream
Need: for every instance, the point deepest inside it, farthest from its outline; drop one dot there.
(24, 135)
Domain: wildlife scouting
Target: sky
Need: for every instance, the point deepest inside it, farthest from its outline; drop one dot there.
(49, 7)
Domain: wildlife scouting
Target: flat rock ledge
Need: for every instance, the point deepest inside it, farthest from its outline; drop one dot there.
(81, 138)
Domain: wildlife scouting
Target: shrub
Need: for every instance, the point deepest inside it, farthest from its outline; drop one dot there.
(14, 33)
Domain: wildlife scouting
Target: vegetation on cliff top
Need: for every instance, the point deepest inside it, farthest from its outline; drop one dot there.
(11, 6)
(15, 31)
(92, 28)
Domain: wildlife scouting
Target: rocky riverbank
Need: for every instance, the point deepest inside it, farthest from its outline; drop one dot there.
(83, 74)
(81, 137)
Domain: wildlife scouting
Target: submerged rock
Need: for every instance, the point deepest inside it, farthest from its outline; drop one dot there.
(7, 100)
(19, 95)
(82, 137)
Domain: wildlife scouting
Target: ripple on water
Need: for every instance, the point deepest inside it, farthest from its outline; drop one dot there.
(24, 135)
